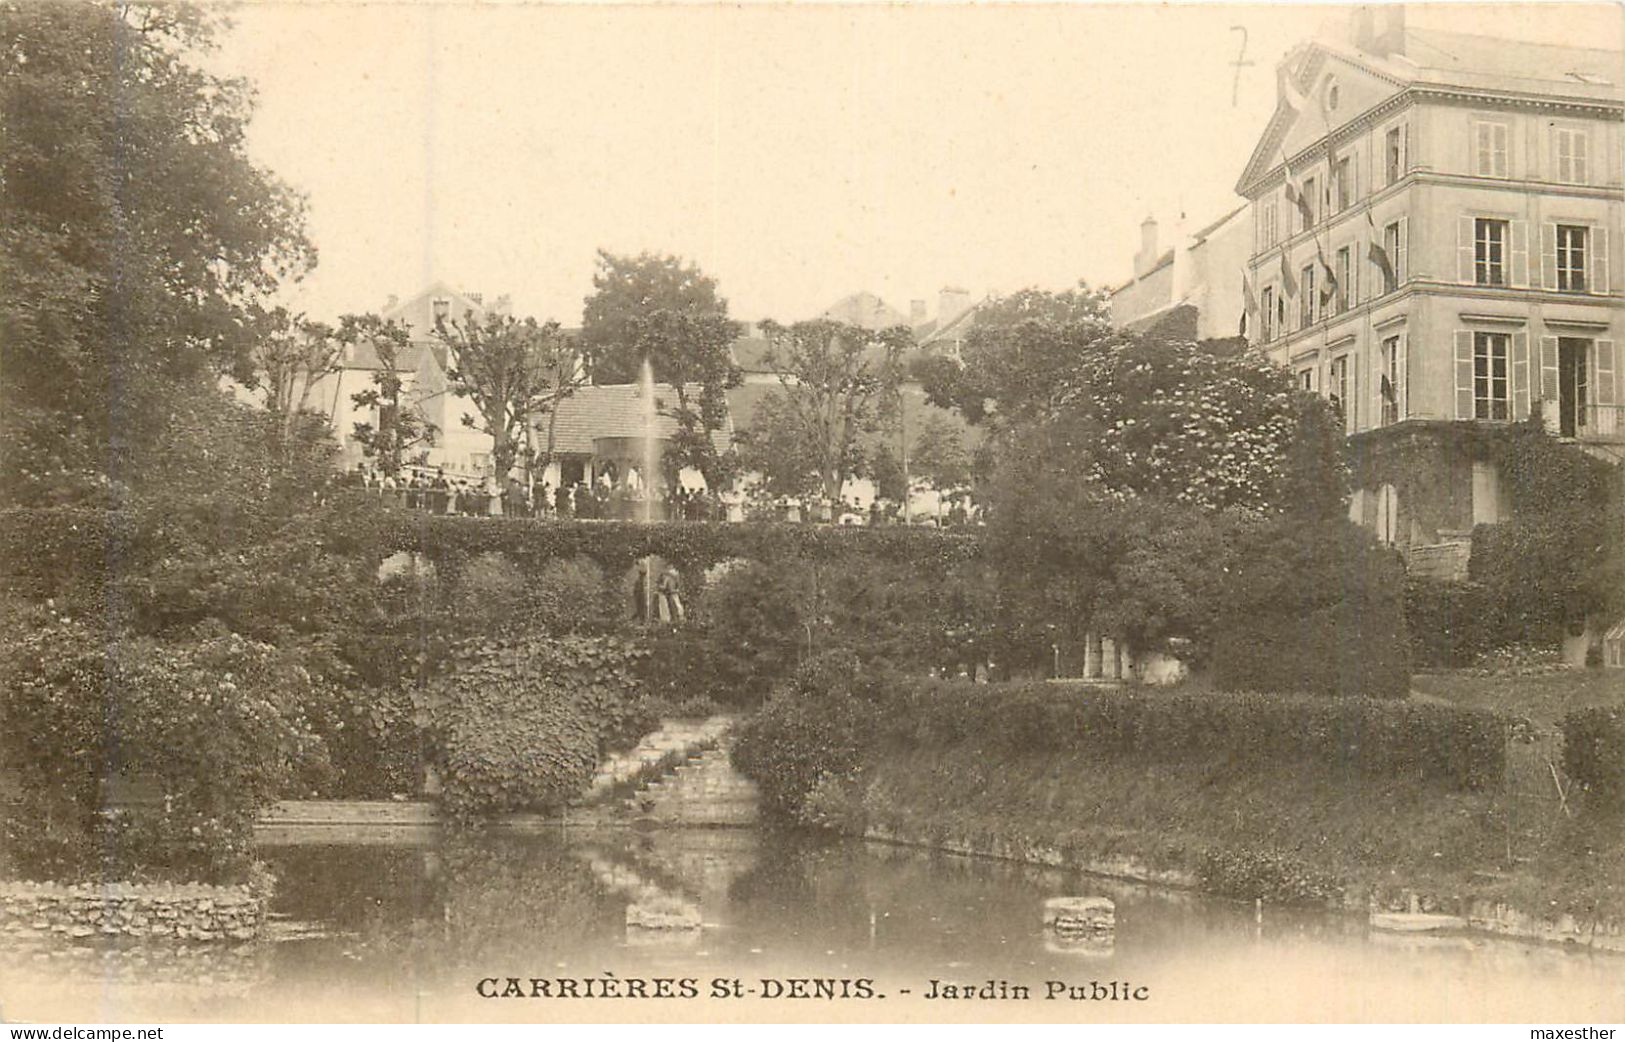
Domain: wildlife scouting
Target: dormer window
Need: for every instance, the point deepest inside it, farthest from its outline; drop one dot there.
(442, 308)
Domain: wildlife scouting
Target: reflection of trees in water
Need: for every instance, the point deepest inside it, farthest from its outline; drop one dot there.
(806, 878)
(466, 898)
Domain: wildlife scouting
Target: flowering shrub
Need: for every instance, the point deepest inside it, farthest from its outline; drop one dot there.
(1594, 752)
(218, 725)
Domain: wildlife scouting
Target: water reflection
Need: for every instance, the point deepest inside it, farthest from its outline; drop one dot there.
(406, 930)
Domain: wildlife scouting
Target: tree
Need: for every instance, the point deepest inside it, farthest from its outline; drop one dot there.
(289, 358)
(511, 369)
(832, 379)
(778, 447)
(1018, 356)
(135, 234)
(401, 425)
(939, 454)
(659, 309)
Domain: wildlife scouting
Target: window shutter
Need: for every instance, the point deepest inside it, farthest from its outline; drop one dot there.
(1520, 376)
(1599, 263)
(1604, 383)
(1402, 368)
(1520, 253)
(1375, 354)
(1464, 374)
(1548, 371)
(1405, 148)
(1402, 263)
(1548, 256)
(1464, 250)
(1353, 406)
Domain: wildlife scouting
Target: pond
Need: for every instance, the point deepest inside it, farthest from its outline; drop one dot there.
(415, 926)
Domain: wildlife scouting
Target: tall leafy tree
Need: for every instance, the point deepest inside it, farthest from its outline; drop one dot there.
(1018, 356)
(833, 380)
(511, 370)
(666, 311)
(135, 234)
(403, 433)
(289, 357)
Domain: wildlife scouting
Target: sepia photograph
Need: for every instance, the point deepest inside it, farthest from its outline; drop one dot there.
(811, 513)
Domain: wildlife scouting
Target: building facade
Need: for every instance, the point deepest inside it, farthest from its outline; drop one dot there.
(1435, 224)
(1192, 290)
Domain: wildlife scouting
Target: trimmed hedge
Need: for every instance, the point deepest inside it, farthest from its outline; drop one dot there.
(1458, 747)
(38, 545)
(1594, 749)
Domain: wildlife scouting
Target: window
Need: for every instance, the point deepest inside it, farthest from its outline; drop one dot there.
(442, 309)
(1571, 145)
(1267, 325)
(1306, 298)
(1306, 379)
(1391, 244)
(1390, 380)
(1310, 213)
(1490, 398)
(1268, 232)
(1394, 153)
(1571, 257)
(1490, 149)
(1342, 184)
(1489, 252)
(1345, 274)
(1340, 392)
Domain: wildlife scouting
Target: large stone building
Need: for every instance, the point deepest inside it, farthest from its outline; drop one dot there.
(1435, 222)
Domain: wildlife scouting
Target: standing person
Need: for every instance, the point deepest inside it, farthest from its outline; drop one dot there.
(439, 492)
(513, 504)
(640, 593)
(561, 500)
(669, 596)
(582, 500)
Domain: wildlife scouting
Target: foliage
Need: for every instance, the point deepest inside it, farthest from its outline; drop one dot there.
(1021, 351)
(403, 433)
(1450, 624)
(289, 356)
(511, 370)
(1455, 747)
(1594, 752)
(217, 722)
(660, 309)
(135, 234)
(818, 725)
(939, 455)
(833, 377)
(1313, 608)
(780, 448)
(521, 722)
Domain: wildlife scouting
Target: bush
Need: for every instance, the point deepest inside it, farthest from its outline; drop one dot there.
(1267, 875)
(1451, 625)
(1459, 747)
(1313, 608)
(816, 727)
(1594, 750)
(218, 725)
(521, 722)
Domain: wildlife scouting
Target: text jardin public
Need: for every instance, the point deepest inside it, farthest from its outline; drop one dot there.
(610, 986)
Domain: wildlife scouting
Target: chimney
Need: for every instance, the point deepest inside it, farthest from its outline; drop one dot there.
(477, 298)
(1181, 276)
(1379, 29)
(916, 312)
(1146, 259)
(951, 303)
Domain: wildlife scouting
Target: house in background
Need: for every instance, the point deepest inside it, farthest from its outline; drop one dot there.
(459, 450)
(1435, 222)
(1193, 289)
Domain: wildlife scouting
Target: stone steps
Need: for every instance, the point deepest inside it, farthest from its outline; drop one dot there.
(706, 790)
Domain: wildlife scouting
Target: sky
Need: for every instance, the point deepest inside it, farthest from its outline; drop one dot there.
(796, 153)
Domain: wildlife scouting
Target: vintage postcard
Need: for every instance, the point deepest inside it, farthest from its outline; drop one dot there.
(812, 513)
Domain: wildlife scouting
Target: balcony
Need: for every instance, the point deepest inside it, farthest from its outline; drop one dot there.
(1603, 423)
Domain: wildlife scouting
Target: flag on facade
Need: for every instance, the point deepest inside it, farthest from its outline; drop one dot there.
(1378, 255)
(1247, 295)
(1289, 91)
(1289, 285)
(1329, 284)
(1388, 390)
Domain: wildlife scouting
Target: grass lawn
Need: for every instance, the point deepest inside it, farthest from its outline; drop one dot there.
(1543, 699)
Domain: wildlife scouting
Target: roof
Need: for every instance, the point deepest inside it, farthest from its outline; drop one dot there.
(1440, 59)
(364, 355)
(866, 310)
(956, 328)
(617, 411)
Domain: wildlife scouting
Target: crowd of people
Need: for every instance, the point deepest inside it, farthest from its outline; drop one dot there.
(627, 499)
(436, 493)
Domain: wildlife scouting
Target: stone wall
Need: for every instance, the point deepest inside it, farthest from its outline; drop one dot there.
(185, 911)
